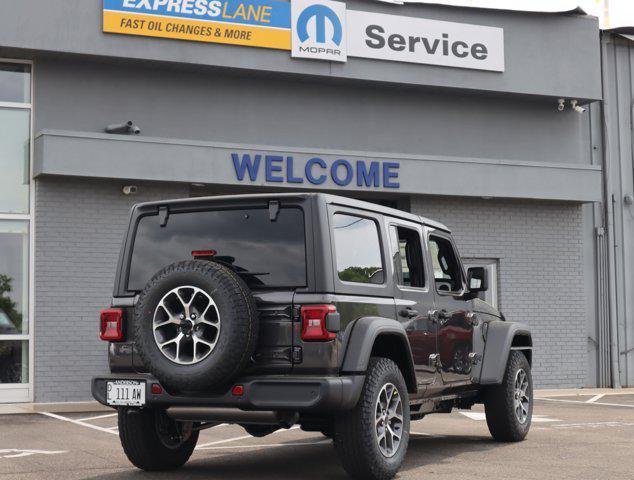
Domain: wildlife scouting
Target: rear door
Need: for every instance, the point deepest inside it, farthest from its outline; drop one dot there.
(414, 300)
(453, 315)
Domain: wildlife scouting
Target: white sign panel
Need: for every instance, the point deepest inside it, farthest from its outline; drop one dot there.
(416, 40)
(318, 30)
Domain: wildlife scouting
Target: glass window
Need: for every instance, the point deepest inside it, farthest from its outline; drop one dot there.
(14, 267)
(14, 160)
(358, 249)
(264, 253)
(15, 83)
(447, 272)
(407, 257)
(14, 361)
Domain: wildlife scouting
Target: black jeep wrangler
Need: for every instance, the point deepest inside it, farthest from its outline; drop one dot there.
(266, 311)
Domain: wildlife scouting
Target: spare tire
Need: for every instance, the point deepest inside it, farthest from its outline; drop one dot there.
(196, 325)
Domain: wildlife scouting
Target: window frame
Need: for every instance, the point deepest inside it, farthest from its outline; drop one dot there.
(445, 236)
(370, 289)
(378, 233)
(423, 255)
(24, 392)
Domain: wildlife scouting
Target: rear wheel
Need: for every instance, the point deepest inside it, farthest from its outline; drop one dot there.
(509, 406)
(154, 442)
(372, 438)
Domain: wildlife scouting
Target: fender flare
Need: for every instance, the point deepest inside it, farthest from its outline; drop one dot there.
(499, 341)
(365, 331)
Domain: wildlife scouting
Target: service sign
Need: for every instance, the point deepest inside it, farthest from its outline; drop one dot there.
(312, 29)
(254, 23)
(418, 40)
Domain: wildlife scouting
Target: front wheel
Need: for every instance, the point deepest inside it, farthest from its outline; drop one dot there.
(371, 439)
(154, 442)
(509, 406)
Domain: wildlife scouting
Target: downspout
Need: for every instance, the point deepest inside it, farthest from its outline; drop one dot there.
(609, 220)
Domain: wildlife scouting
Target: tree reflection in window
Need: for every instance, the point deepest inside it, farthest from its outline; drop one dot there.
(358, 250)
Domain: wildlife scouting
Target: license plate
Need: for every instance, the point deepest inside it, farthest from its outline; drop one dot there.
(125, 392)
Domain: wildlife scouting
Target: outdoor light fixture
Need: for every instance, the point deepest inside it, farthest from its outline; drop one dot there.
(126, 128)
(575, 107)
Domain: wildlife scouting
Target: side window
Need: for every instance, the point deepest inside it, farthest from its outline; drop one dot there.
(407, 257)
(446, 267)
(358, 249)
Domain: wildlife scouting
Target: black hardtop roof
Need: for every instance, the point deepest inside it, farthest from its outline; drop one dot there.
(327, 198)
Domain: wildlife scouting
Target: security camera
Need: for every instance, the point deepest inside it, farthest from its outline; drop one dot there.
(562, 105)
(130, 189)
(124, 128)
(575, 107)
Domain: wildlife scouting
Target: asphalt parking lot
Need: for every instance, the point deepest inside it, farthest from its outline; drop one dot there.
(575, 436)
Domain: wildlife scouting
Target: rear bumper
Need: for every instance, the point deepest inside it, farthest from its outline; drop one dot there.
(301, 394)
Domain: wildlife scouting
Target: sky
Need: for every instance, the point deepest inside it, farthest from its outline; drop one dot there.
(611, 13)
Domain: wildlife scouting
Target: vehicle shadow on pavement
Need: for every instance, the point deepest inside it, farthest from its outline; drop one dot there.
(434, 450)
(306, 462)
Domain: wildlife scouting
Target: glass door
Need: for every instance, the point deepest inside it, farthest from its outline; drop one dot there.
(16, 245)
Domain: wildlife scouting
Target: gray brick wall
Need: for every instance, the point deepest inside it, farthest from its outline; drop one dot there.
(79, 228)
(541, 268)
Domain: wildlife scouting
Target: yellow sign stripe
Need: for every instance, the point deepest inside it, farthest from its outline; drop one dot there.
(185, 29)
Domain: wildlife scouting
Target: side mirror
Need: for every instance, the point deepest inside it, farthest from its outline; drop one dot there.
(477, 279)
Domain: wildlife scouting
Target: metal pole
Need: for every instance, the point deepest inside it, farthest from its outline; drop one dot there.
(609, 219)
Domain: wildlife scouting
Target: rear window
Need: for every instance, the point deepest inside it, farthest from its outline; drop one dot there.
(265, 253)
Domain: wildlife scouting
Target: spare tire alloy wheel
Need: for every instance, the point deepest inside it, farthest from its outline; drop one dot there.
(186, 325)
(195, 326)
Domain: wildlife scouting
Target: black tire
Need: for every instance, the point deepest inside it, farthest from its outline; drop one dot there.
(355, 433)
(153, 442)
(499, 402)
(235, 341)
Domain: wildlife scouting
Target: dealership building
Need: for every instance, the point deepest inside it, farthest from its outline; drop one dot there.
(489, 121)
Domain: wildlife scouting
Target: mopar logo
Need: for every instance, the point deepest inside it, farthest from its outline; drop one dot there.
(318, 30)
(321, 14)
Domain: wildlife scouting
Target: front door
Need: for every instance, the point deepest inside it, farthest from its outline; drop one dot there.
(414, 300)
(452, 314)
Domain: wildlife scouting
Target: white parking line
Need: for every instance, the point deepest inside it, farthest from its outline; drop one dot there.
(78, 422)
(96, 417)
(593, 425)
(585, 402)
(16, 453)
(596, 397)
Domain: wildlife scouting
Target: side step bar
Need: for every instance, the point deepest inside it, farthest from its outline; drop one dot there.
(233, 415)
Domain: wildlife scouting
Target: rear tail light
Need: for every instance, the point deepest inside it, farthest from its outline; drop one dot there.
(111, 327)
(314, 319)
(203, 253)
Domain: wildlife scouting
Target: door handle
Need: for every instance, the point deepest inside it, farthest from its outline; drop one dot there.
(408, 313)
